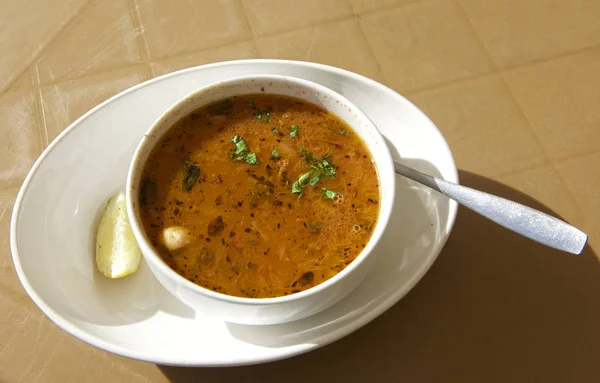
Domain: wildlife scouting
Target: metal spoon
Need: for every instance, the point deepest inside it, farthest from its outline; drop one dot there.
(521, 219)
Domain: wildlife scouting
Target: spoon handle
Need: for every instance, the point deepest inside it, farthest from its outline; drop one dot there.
(521, 219)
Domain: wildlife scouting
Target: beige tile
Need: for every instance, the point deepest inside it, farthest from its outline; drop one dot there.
(359, 6)
(87, 363)
(63, 103)
(486, 131)
(8, 275)
(40, 351)
(545, 186)
(230, 52)
(516, 32)
(26, 26)
(339, 44)
(25, 82)
(583, 179)
(174, 27)
(424, 44)
(26, 337)
(103, 37)
(21, 142)
(561, 97)
(272, 16)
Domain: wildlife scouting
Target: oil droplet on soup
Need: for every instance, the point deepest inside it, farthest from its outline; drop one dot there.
(259, 196)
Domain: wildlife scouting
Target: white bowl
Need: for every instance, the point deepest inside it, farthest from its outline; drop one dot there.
(262, 311)
(57, 210)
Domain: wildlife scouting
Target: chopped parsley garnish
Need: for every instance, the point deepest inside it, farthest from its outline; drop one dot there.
(298, 186)
(324, 168)
(275, 131)
(294, 131)
(251, 159)
(307, 156)
(263, 115)
(329, 193)
(275, 153)
(315, 180)
(240, 145)
(252, 105)
(344, 133)
(321, 170)
(242, 152)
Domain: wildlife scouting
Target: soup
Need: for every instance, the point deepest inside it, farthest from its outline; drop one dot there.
(259, 196)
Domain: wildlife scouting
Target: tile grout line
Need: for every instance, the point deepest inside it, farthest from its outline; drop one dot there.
(137, 19)
(500, 74)
(14, 295)
(578, 156)
(391, 6)
(556, 57)
(482, 46)
(49, 44)
(40, 113)
(357, 20)
(491, 73)
(91, 73)
(521, 170)
(447, 84)
(248, 24)
(552, 161)
(5, 188)
(130, 65)
(310, 25)
(345, 18)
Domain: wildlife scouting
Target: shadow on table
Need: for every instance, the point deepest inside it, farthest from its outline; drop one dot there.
(495, 307)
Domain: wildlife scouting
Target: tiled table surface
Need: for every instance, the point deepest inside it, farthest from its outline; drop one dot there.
(514, 85)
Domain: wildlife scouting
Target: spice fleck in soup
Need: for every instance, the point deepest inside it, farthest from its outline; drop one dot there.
(259, 196)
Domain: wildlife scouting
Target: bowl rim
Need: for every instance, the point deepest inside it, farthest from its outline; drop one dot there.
(136, 166)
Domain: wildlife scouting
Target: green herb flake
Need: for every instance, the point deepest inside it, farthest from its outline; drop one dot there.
(327, 168)
(323, 168)
(275, 131)
(263, 115)
(315, 180)
(240, 144)
(294, 131)
(251, 159)
(241, 152)
(307, 156)
(275, 153)
(252, 105)
(329, 193)
(298, 186)
(344, 133)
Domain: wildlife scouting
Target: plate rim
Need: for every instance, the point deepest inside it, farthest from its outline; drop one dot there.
(339, 333)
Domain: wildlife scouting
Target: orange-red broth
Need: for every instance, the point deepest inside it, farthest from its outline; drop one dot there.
(248, 231)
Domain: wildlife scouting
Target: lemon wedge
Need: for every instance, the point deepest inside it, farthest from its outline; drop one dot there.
(117, 252)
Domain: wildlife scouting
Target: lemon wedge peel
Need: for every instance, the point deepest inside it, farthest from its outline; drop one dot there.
(117, 251)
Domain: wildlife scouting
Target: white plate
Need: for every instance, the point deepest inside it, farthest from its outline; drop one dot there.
(54, 218)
